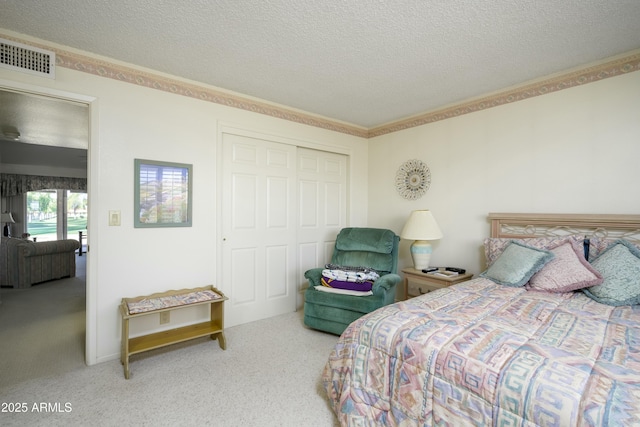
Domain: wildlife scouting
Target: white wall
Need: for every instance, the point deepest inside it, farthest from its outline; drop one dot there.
(130, 121)
(573, 151)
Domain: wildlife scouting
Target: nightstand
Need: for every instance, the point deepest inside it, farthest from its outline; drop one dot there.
(417, 283)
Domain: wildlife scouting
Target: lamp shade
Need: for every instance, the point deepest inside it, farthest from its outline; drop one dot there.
(421, 225)
(6, 217)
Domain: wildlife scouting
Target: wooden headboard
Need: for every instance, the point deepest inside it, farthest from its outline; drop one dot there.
(609, 226)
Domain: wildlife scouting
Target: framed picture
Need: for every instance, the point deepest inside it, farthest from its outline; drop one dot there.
(162, 194)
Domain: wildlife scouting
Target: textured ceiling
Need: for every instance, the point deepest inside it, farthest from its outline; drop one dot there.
(50, 132)
(365, 63)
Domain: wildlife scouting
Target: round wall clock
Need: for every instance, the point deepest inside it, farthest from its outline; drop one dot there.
(413, 179)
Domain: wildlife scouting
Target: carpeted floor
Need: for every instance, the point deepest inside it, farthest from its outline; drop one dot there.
(42, 328)
(269, 375)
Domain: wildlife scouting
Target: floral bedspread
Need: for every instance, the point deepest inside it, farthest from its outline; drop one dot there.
(486, 355)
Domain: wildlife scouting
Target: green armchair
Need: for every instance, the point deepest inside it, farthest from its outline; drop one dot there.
(355, 247)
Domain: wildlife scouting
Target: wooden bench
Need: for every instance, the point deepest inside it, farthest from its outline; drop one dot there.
(131, 308)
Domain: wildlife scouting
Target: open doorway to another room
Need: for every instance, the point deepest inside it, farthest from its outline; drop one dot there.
(44, 174)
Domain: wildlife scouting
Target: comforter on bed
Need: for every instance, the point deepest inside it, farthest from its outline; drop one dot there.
(483, 354)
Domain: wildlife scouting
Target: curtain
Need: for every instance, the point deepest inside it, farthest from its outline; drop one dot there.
(13, 184)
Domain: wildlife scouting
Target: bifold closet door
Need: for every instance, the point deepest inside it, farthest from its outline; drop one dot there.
(322, 208)
(259, 228)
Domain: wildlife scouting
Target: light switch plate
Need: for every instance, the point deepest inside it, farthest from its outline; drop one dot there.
(114, 218)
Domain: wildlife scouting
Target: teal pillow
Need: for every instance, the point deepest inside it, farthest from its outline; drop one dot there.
(619, 266)
(517, 263)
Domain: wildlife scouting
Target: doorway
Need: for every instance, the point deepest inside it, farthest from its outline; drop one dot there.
(29, 106)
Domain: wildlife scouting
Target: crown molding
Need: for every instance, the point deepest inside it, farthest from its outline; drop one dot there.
(67, 58)
(612, 68)
(152, 80)
(108, 68)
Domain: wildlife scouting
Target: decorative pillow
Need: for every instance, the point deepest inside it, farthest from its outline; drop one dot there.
(516, 264)
(619, 265)
(494, 246)
(599, 244)
(567, 272)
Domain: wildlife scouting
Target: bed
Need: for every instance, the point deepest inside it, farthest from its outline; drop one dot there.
(496, 351)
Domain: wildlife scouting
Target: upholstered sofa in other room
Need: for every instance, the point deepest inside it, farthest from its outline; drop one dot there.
(24, 263)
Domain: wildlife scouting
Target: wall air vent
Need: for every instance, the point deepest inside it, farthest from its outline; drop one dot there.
(27, 59)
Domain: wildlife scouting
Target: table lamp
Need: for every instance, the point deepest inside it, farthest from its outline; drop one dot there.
(421, 227)
(7, 218)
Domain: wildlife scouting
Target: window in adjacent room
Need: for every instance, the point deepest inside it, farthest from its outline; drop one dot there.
(56, 214)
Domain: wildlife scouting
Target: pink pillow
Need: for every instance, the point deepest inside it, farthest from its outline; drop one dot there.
(567, 272)
(494, 246)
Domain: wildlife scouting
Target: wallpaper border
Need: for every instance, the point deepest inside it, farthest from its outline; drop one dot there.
(102, 68)
(612, 68)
